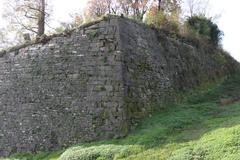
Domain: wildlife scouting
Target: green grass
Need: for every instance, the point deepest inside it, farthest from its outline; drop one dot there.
(198, 128)
(39, 156)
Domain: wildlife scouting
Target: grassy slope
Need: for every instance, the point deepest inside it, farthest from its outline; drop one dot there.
(198, 128)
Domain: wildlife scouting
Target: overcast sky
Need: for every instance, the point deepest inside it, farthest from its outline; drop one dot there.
(228, 22)
(62, 8)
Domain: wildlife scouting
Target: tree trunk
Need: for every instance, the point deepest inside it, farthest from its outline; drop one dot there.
(109, 6)
(159, 5)
(41, 18)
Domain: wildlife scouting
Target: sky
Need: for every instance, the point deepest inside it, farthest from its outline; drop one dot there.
(63, 8)
(228, 22)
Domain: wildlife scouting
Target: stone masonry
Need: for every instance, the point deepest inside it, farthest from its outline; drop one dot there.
(95, 83)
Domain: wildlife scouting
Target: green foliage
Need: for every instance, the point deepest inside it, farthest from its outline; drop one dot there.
(101, 152)
(65, 27)
(93, 34)
(39, 156)
(203, 27)
(160, 20)
(198, 128)
(220, 58)
(218, 144)
(230, 88)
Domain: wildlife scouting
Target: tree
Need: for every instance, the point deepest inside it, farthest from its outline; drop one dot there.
(95, 9)
(165, 14)
(29, 16)
(169, 6)
(113, 6)
(140, 7)
(41, 14)
(136, 9)
(156, 17)
(197, 7)
(125, 7)
(205, 28)
(130, 8)
(76, 22)
(159, 5)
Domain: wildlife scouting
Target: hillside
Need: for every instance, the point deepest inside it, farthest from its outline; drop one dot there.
(203, 125)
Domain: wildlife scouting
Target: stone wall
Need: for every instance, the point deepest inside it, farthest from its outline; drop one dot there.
(63, 92)
(93, 83)
(157, 67)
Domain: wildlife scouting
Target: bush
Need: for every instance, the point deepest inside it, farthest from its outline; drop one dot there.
(162, 21)
(205, 28)
(218, 144)
(100, 152)
(156, 18)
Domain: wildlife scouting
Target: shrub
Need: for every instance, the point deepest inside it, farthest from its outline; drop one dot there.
(161, 20)
(100, 152)
(156, 18)
(201, 26)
